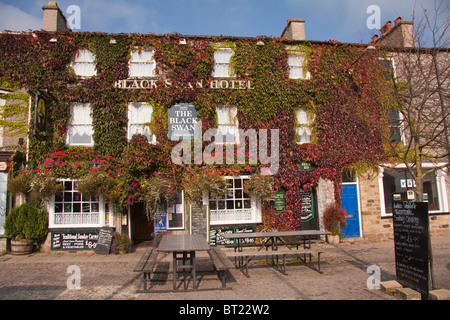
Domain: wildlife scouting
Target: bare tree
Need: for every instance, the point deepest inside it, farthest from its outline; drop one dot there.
(418, 99)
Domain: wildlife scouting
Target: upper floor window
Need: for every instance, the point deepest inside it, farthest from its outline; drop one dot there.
(139, 116)
(142, 63)
(222, 67)
(84, 64)
(227, 125)
(80, 125)
(296, 70)
(303, 126)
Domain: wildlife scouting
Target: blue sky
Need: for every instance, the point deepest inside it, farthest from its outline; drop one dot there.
(341, 20)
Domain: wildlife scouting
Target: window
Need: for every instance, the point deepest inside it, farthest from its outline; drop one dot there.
(71, 208)
(394, 184)
(142, 64)
(295, 62)
(80, 125)
(222, 60)
(235, 206)
(139, 115)
(303, 126)
(227, 126)
(84, 64)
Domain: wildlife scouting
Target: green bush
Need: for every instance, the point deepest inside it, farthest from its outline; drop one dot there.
(27, 221)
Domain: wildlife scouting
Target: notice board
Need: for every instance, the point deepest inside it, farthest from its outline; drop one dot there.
(411, 239)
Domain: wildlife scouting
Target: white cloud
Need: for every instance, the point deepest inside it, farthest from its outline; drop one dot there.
(14, 19)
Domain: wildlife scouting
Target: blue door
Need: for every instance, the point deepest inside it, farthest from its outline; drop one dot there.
(349, 197)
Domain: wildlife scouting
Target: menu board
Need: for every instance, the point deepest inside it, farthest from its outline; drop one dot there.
(307, 207)
(199, 220)
(105, 237)
(74, 240)
(411, 239)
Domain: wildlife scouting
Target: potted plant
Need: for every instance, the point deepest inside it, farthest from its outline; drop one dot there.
(121, 243)
(26, 225)
(157, 237)
(334, 220)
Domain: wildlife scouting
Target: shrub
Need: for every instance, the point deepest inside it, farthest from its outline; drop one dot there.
(27, 221)
(334, 218)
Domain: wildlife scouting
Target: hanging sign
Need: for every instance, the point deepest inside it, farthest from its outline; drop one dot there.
(40, 117)
(182, 122)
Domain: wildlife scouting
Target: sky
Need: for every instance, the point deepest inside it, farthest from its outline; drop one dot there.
(340, 20)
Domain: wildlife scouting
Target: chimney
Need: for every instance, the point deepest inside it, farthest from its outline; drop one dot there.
(399, 36)
(295, 30)
(54, 19)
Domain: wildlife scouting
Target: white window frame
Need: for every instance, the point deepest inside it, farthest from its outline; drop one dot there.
(222, 62)
(255, 207)
(86, 58)
(72, 125)
(102, 211)
(303, 122)
(231, 124)
(440, 186)
(138, 58)
(296, 62)
(143, 122)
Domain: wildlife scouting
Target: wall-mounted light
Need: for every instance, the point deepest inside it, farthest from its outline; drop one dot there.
(182, 41)
(260, 43)
(113, 41)
(53, 40)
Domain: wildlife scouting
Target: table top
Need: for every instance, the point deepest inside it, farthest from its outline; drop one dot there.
(274, 234)
(185, 242)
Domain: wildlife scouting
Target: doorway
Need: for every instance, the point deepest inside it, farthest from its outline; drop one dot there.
(141, 228)
(349, 199)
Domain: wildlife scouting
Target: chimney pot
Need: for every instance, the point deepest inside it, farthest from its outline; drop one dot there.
(397, 21)
(374, 38)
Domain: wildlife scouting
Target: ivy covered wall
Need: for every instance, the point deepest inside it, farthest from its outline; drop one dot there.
(341, 95)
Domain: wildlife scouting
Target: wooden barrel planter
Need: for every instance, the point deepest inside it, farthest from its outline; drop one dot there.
(21, 247)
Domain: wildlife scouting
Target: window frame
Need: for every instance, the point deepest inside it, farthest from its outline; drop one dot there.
(255, 206)
(307, 126)
(152, 138)
(441, 189)
(232, 112)
(151, 62)
(103, 210)
(305, 75)
(91, 61)
(215, 72)
(71, 125)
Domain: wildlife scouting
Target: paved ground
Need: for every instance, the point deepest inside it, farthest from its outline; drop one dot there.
(45, 276)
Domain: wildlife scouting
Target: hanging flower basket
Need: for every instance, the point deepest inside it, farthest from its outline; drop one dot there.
(260, 186)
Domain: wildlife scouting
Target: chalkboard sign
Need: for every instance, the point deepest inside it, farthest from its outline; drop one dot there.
(199, 220)
(411, 238)
(105, 237)
(74, 240)
(307, 207)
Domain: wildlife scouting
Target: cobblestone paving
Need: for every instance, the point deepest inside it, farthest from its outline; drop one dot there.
(344, 277)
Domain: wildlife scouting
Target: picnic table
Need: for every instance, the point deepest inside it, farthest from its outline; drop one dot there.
(273, 240)
(183, 248)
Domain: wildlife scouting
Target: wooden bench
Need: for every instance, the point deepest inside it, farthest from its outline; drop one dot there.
(146, 265)
(221, 263)
(249, 255)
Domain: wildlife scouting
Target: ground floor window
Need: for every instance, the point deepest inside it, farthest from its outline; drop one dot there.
(235, 206)
(397, 182)
(70, 208)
